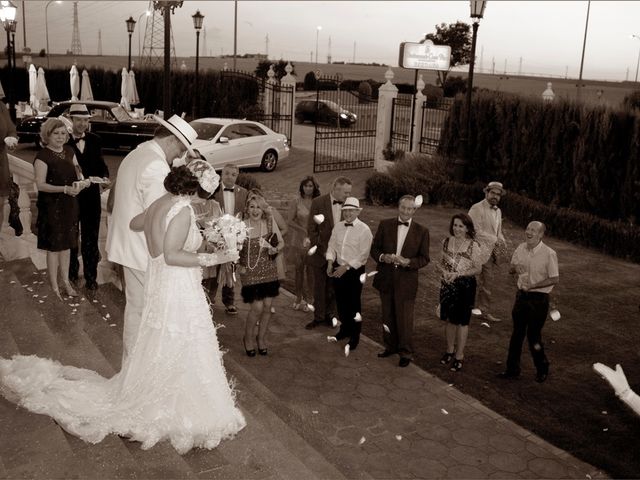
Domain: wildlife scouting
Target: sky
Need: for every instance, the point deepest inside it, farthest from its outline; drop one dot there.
(528, 37)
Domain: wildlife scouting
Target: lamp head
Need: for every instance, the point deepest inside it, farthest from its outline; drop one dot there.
(477, 8)
(7, 12)
(131, 25)
(198, 18)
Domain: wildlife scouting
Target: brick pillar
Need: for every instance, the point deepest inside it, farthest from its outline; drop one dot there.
(386, 93)
(420, 98)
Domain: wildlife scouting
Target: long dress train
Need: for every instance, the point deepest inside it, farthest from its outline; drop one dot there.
(172, 387)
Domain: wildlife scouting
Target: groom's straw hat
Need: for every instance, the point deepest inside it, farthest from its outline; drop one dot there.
(181, 129)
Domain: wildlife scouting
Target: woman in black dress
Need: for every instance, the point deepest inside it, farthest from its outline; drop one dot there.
(59, 179)
(459, 265)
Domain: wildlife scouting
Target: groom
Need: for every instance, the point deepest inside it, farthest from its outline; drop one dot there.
(140, 182)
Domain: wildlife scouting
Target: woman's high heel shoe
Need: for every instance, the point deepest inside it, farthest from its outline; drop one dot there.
(250, 353)
(70, 291)
(57, 294)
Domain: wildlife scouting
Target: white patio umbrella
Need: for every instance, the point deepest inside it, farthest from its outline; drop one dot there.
(132, 89)
(74, 81)
(33, 78)
(85, 92)
(42, 93)
(124, 90)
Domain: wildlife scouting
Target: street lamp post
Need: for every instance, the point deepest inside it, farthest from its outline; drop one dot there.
(167, 7)
(477, 12)
(318, 28)
(637, 64)
(46, 26)
(131, 26)
(8, 18)
(198, 18)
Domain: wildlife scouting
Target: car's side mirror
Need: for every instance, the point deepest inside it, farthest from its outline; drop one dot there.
(224, 140)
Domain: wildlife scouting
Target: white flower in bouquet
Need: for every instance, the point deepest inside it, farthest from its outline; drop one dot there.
(226, 233)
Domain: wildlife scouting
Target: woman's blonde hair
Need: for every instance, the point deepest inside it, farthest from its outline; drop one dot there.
(48, 128)
(255, 194)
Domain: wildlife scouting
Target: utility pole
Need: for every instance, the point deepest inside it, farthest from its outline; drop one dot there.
(493, 65)
(584, 44)
(267, 46)
(354, 52)
(481, 69)
(520, 67)
(329, 48)
(235, 32)
(505, 66)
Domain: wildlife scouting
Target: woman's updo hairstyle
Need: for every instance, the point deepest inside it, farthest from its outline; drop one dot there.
(180, 181)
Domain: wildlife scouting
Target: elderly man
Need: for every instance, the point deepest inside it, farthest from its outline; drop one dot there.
(487, 220)
(88, 150)
(401, 248)
(536, 267)
(140, 182)
(327, 207)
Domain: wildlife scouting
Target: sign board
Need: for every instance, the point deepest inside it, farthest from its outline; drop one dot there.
(424, 56)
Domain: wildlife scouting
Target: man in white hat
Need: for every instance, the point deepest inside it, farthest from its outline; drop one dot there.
(346, 255)
(139, 184)
(88, 150)
(487, 220)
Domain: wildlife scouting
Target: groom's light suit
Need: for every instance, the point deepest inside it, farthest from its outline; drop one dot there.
(140, 182)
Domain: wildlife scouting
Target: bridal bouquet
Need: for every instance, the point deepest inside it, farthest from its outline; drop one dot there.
(225, 234)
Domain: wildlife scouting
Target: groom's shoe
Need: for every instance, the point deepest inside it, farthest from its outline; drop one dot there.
(386, 353)
(404, 362)
(231, 310)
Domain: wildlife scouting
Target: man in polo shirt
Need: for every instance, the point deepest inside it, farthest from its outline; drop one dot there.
(346, 255)
(487, 220)
(536, 267)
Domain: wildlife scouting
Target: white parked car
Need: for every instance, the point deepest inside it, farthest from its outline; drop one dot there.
(241, 142)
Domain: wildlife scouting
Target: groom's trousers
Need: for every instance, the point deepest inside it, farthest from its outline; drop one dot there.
(134, 293)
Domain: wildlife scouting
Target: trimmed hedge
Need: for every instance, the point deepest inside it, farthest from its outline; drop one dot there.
(611, 237)
(563, 154)
(220, 95)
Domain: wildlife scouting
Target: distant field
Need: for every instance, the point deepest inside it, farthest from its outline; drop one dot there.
(612, 92)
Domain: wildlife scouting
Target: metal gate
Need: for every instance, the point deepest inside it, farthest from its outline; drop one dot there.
(401, 123)
(345, 127)
(434, 116)
(275, 103)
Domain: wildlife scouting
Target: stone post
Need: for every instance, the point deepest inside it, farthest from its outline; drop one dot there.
(386, 93)
(288, 95)
(268, 92)
(420, 98)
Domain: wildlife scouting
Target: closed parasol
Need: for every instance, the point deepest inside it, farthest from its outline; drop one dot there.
(74, 81)
(86, 93)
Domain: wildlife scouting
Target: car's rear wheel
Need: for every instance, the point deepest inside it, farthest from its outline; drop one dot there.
(269, 161)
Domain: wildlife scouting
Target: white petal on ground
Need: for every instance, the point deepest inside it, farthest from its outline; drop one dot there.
(358, 317)
(334, 322)
(444, 411)
(310, 307)
(398, 437)
(362, 440)
(385, 328)
(363, 278)
(485, 324)
(476, 311)
(312, 250)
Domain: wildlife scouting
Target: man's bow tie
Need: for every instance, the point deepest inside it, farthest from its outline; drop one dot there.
(348, 224)
(494, 207)
(406, 224)
(338, 202)
(228, 189)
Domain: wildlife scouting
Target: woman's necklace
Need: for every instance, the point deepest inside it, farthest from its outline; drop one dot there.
(249, 248)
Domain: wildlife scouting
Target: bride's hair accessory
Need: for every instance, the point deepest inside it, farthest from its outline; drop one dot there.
(205, 173)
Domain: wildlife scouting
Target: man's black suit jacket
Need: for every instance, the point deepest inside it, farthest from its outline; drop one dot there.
(415, 248)
(319, 234)
(92, 164)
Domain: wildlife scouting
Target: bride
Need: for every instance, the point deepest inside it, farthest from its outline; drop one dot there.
(173, 386)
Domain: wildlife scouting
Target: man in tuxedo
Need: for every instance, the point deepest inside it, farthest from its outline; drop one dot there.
(140, 182)
(400, 248)
(487, 220)
(232, 199)
(318, 235)
(88, 150)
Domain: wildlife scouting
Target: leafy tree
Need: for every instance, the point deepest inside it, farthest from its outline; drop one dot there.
(310, 81)
(278, 67)
(458, 37)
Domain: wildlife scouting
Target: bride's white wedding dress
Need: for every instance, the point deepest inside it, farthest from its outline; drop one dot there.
(172, 386)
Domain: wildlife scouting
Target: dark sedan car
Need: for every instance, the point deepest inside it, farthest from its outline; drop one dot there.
(109, 120)
(324, 111)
